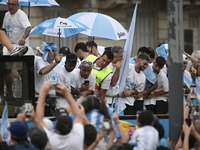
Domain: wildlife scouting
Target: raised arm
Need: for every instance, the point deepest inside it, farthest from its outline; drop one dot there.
(62, 89)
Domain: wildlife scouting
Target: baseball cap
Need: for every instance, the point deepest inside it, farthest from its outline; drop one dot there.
(18, 129)
(71, 57)
(38, 137)
(64, 121)
(64, 50)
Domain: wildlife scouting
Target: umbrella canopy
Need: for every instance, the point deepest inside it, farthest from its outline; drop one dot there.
(59, 27)
(33, 3)
(100, 25)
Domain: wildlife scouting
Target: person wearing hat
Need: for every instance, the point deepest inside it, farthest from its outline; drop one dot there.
(63, 51)
(84, 79)
(65, 76)
(46, 67)
(69, 135)
(19, 131)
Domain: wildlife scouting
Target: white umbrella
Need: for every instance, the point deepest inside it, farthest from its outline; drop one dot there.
(100, 25)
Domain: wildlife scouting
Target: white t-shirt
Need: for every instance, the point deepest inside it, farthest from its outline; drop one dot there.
(71, 141)
(163, 85)
(113, 90)
(78, 80)
(16, 25)
(65, 78)
(52, 76)
(188, 75)
(136, 81)
(39, 79)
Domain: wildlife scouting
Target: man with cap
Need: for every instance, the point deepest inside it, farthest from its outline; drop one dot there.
(65, 76)
(69, 135)
(19, 133)
(45, 67)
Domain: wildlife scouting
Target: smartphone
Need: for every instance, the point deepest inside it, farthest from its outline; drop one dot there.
(193, 93)
(188, 121)
(131, 130)
(86, 82)
(28, 108)
(53, 86)
(106, 126)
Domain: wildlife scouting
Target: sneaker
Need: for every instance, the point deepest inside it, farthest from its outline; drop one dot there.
(1, 50)
(19, 51)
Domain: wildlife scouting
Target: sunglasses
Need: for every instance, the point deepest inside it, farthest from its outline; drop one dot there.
(86, 62)
(12, 4)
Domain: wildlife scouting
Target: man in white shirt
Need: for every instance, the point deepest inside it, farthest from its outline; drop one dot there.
(115, 67)
(65, 76)
(46, 70)
(134, 86)
(84, 79)
(156, 102)
(17, 26)
(68, 135)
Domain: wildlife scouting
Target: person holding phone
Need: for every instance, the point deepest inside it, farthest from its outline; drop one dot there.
(84, 79)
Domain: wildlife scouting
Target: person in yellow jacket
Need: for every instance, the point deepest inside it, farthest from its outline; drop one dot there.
(100, 67)
(103, 72)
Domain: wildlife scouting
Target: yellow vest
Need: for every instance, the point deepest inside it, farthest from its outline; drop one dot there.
(100, 74)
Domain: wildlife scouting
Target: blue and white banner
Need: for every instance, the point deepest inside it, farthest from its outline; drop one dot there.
(120, 104)
(5, 133)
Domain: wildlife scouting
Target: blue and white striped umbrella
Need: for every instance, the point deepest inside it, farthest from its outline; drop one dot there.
(33, 3)
(100, 25)
(59, 27)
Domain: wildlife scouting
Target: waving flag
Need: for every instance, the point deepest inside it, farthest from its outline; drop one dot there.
(5, 134)
(119, 104)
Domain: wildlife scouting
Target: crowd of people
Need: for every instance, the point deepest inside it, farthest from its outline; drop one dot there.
(82, 90)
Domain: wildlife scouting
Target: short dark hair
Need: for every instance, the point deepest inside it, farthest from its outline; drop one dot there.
(81, 46)
(109, 54)
(143, 57)
(152, 53)
(145, 118)
(91, 43)
(144, 50)
(90, 134)
(160, 61)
